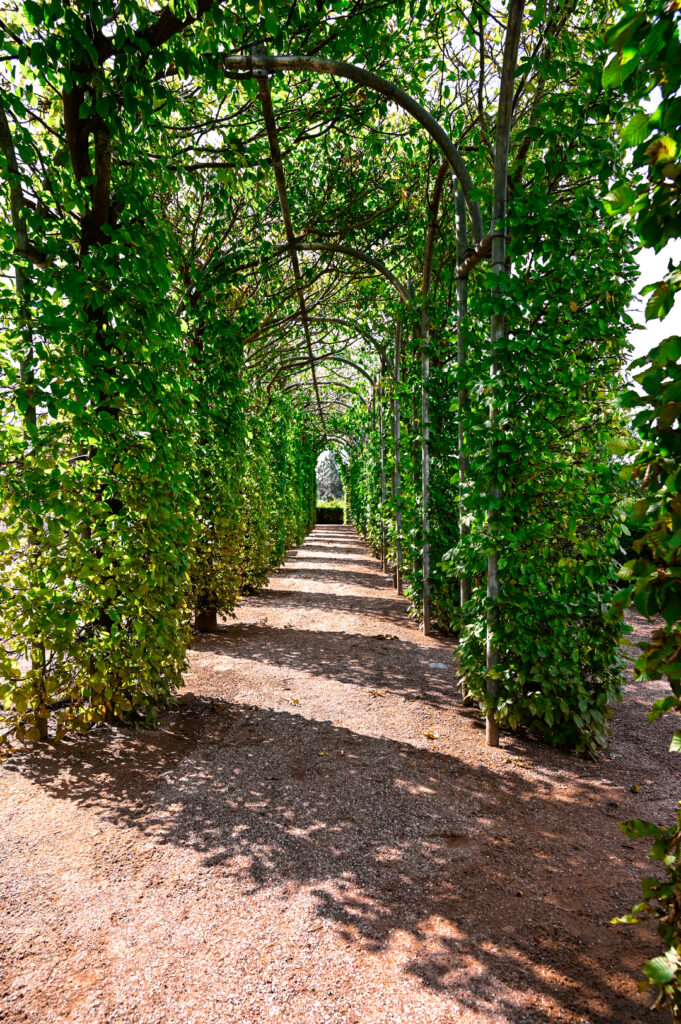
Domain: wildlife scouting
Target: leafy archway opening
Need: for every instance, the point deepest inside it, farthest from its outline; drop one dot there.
(220, 261)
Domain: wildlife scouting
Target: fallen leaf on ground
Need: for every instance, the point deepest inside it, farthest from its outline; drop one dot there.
(432, 735)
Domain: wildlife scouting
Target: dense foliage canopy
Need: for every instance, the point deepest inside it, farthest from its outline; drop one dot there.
(647, 57)
(236, 235)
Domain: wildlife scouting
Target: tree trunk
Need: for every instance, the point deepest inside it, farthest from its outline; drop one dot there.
(206, 620)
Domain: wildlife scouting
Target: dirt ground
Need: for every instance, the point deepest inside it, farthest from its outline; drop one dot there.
(292, 847)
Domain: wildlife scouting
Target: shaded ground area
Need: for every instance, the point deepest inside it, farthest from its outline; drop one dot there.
(292, 847)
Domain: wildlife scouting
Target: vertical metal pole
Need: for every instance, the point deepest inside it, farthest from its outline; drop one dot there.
(425, 468)
(369, 467)
(497, 331)
(440, 179)
(461, 311)
(397, 479)
(381, 427)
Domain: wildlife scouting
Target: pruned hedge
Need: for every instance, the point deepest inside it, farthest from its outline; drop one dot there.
(329, 515)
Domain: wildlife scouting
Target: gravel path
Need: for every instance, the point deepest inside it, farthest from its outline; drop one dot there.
(292, 846)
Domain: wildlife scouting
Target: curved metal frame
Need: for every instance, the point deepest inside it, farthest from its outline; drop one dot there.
(258, 63)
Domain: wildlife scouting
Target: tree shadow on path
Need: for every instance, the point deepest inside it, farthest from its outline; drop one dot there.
(392, 609)
(479, 870)
(374, 661)
(312, 560)
(332, 577)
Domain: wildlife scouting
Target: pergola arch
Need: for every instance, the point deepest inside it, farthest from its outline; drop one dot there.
(330, 203)
(293, 366)
(358, 254)
(259, 64)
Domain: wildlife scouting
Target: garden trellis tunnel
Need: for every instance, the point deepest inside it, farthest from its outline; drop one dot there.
(316, 322)
(237, 259)
(260, 65)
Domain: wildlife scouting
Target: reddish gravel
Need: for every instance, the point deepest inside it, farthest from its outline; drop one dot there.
(291, 847)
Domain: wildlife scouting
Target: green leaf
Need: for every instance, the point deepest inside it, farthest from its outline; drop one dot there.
(661, 969)
(620, 67)
(621, 445)
(35, 12)
(636, 130)
(619, 199)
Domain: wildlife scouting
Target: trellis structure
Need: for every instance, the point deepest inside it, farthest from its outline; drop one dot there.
(260, 65)
(347, 371)
(170, 368)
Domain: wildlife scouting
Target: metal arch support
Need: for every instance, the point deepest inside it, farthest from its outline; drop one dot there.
(255, 63)
(425, 395)
(280, 178)
(352, 327)
(312, 319)
(330, 357)
(357, 254)
(348, 362)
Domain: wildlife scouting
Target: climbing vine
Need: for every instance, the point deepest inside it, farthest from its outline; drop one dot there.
(557, 521)
(647, 55)
(214, 264)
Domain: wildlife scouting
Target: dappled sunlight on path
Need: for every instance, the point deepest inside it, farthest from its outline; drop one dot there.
(317, 834)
